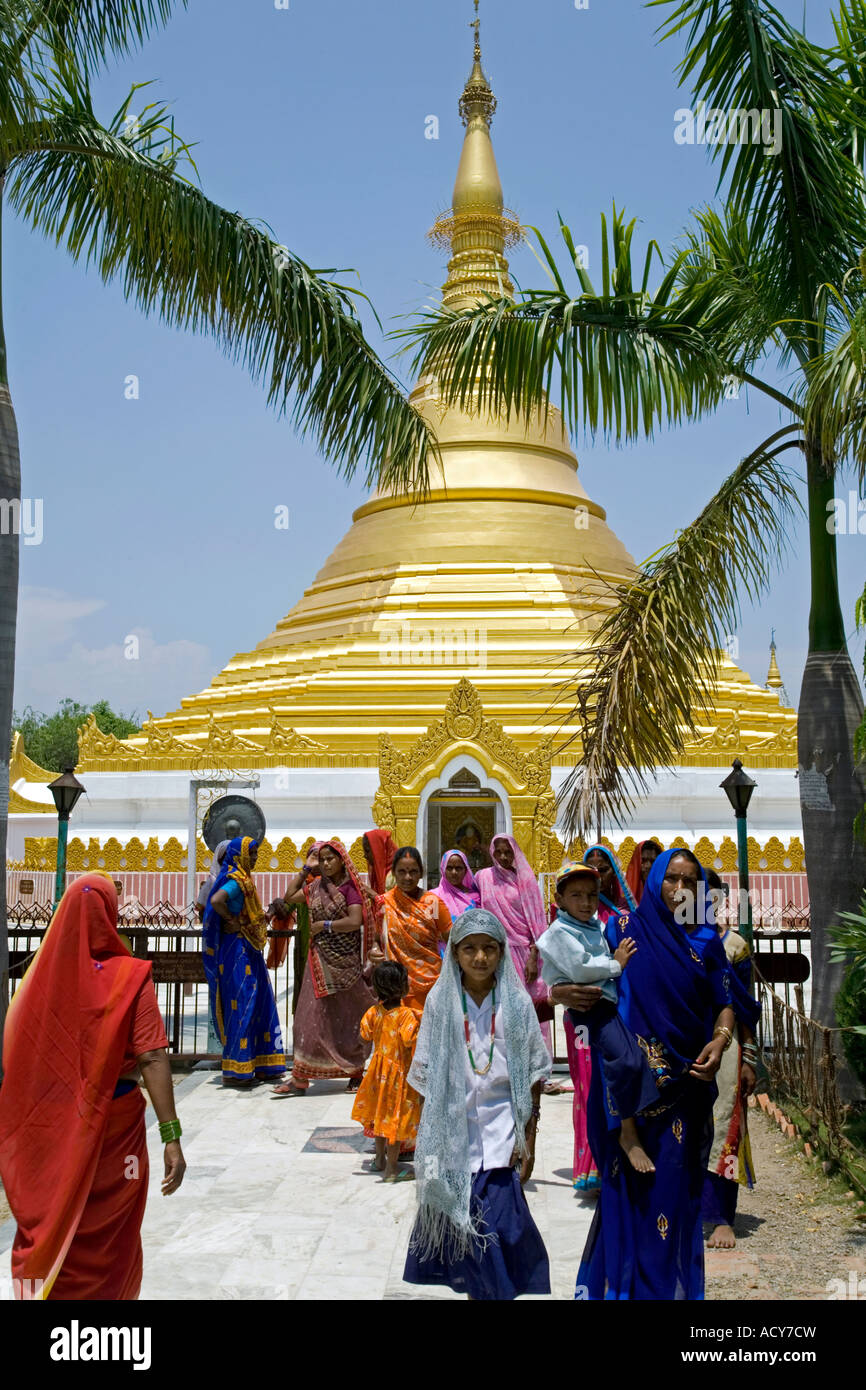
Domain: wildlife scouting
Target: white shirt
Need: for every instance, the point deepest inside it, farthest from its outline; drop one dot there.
(488, 1098)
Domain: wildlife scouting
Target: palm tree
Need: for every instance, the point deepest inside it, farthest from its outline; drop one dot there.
(115, 196)
(750, 286)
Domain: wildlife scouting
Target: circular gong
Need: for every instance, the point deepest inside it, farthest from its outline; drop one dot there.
(231, 816)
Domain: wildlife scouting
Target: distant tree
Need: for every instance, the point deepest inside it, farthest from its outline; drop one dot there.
(51, 740)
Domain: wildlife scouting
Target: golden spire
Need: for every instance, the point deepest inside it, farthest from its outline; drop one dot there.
(479, 227)
(774, 677)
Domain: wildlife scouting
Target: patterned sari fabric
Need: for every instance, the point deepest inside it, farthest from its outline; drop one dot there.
(580, 1070)
(333, 997)
(241, 994)
(64, 1137)
(730, 1161)
(646, 1240)
(411, 931)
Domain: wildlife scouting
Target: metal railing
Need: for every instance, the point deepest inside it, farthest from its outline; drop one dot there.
(171, 938)
(802, 1063)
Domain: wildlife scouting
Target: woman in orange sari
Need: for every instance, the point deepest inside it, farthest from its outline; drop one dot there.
(73, 1152)
(413, 924)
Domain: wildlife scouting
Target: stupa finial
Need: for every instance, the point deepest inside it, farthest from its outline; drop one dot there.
(774, 676)
(478, 227)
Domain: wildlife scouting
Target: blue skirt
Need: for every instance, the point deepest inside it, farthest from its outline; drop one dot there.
(515, 1263)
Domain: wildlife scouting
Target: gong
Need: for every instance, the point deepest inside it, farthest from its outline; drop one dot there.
(231, 816)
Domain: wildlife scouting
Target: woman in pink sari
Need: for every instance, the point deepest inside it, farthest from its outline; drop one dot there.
(509, 889)
(457, 887)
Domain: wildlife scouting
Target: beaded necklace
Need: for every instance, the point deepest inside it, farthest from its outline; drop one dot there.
(483, 1070)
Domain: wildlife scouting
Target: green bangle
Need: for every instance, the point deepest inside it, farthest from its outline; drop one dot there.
(169, 1131)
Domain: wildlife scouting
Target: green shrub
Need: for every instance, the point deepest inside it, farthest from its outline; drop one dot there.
(851, 1011)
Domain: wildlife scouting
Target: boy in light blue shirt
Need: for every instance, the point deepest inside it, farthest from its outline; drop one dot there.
(574, 950)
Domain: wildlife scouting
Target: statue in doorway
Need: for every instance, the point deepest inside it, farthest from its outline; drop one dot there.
(470, 839)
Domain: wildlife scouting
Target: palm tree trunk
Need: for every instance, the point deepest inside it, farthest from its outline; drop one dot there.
(832, 788)
(10, 489)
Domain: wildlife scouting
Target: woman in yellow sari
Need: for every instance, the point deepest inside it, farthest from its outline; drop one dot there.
(414, 922)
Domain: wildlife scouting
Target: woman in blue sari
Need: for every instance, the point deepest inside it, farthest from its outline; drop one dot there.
(234, 935)
(646, 1238)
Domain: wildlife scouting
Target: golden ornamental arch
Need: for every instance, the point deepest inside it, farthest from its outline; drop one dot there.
(465, 730)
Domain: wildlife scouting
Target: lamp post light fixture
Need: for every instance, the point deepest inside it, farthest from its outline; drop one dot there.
(66, 790)
(738, 787)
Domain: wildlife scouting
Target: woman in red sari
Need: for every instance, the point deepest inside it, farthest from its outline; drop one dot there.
(413, 924)
(73, 1152)
(334, 998)
(379, 850)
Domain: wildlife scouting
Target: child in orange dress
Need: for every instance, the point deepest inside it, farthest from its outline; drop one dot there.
(386, 1105)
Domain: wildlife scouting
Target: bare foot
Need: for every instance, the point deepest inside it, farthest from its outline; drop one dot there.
(722, 1238)
(633, 1149)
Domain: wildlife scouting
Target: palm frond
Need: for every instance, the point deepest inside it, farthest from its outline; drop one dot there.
(724, 252)
(115, 199)
(657, 652)
(91, 31)
(623, 359)
(806, 197)
(835, 389)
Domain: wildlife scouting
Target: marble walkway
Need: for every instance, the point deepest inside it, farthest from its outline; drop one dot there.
(278, 1202)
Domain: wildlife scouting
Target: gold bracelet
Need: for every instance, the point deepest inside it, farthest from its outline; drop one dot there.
(723, 1032)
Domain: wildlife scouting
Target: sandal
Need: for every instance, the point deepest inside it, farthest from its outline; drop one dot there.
(402, 1176)
(354, 1083)
(288, 1088)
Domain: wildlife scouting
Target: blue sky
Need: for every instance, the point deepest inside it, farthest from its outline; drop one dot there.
(158, 512)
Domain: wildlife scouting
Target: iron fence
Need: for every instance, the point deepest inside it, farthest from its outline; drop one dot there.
(171, 938)
(802, 1063)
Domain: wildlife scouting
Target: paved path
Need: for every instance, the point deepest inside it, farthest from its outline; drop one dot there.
(266, 1211)
(278, 1203)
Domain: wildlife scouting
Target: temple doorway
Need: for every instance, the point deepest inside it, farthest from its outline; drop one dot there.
(464, 814)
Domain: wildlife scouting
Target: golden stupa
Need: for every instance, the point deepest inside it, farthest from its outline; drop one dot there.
(434, 641)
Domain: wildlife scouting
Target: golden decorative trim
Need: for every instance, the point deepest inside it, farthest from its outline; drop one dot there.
(157, 748)
(40, 851)
(22, 767)
(22, 806)
(480, 494)
(769, 858)
(464, 729)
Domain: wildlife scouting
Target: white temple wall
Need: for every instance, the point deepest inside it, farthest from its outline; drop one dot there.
(325, 801)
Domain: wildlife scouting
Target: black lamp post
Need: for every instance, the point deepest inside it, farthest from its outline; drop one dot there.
(738, 787)
(66, 790)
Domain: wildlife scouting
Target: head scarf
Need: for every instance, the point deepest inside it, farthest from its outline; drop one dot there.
(497, 880)
(668, 995)
(368, 919)
(438, 1071)
(66, 1035)
(633, 872)
(460, 899)
(207, 887)
(625, 895)
(382, 849)
(236, 865)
